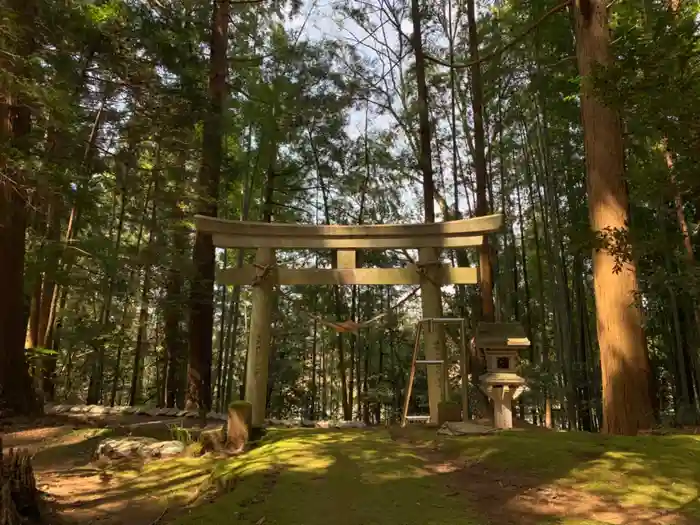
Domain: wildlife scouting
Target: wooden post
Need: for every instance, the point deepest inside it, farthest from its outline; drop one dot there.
(259, 340)
(347, 259)
(431, 300)
(464, 369)
(412, 374)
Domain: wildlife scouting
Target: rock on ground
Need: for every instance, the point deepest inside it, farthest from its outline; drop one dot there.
(138, 447)
(460, 428)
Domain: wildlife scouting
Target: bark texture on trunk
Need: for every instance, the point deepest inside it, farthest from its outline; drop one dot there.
(482, 203)
(16, 392)
(202, 293)
(623, 354)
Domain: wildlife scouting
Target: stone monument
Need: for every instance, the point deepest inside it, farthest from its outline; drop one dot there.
(501, 344)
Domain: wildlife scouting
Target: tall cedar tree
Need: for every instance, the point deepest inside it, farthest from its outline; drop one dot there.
(202, 295)
(482, 204)
(16, 392)
(623, 354)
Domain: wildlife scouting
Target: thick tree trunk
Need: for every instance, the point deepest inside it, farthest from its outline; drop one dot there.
(482, 205)
(202, 295)
(16, 392)
(623, 354)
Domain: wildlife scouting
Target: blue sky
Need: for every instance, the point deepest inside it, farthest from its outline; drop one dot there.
(318, 21)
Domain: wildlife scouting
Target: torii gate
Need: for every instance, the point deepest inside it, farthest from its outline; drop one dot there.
(264, 274)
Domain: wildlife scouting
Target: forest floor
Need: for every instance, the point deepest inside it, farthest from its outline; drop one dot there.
(370, 477)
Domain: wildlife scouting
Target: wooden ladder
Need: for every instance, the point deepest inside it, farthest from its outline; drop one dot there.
(464, 364)
(415, 361)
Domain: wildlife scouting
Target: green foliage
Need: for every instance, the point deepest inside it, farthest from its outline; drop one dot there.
(181, 434)
(119, 93)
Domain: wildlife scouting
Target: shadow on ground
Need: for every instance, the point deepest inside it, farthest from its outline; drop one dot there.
(372, 477)
(80, 490)
(380, 476)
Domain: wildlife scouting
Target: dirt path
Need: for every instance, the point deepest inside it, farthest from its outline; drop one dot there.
(77, 489)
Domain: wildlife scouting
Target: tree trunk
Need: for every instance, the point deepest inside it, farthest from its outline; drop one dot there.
(174, 342)
(353, 365)
(46, 336)
(482, 206)
(337, 299)
(314, 380)
(623, 354)
(96, 385)
(365, 375)
(258, 387)
(175, 348)
(431, 295)
(544, 343)
(16, 392)
(141, 338)
(202, 296)
(235, 302)
(127, 313)
(221, 341)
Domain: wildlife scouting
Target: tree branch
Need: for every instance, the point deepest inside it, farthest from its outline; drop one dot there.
(505, 47)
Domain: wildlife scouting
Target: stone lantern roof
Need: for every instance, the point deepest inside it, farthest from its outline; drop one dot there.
(501, 336)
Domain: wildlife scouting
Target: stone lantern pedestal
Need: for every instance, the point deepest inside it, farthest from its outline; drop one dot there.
(501, 344)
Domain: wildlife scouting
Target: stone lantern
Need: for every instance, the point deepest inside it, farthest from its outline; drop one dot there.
(501, 344)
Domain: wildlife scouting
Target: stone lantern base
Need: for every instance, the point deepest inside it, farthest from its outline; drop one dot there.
(502, 389)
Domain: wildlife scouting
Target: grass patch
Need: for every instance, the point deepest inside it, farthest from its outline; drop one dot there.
(363, 477)
(351, 477)
(177, 480)
(654, 471)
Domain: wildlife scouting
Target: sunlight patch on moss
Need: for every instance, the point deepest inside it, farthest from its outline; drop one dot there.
(296, 454)
(175, 478)
(377, 480)
(650, 471)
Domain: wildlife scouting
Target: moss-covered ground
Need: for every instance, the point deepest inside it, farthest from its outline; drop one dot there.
(356, 477)
(382, 476)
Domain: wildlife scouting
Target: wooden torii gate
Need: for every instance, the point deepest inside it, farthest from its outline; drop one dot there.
(264, 274)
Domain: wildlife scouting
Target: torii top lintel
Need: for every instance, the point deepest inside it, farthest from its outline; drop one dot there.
(249, 234)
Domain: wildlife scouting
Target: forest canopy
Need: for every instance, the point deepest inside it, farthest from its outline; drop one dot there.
(121, 120)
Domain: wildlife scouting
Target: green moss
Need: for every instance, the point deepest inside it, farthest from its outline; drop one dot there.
(311, 476)
(240, 404)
